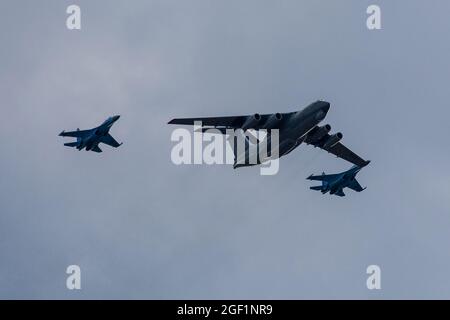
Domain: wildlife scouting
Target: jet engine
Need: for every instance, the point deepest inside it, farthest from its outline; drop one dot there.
(273, 121)
(251, 122)
(320, 133)
(332, 140)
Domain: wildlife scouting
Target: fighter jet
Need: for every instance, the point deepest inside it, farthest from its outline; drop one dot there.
(90, 139)
(335, 183)
(294, 128)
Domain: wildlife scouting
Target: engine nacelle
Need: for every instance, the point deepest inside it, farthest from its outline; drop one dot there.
(332, 140)
(320, 133)
(251, 122)
(273, 121)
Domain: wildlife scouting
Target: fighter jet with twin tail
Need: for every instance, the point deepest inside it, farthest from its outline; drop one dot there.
(294, 128)
(335, 183)
(91, 138)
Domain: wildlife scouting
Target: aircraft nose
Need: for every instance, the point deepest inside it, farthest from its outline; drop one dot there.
(326, 107)
(320, 115)
(115, 118)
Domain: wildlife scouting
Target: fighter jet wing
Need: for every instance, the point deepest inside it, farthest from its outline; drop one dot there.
(96, 149)
(354, 185)
(233, 122)
(75, 134)
(109, 140)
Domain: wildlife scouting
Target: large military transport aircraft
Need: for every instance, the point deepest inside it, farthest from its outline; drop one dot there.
(294, 128)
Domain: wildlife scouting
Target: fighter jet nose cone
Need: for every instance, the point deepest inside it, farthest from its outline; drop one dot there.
(116, 118)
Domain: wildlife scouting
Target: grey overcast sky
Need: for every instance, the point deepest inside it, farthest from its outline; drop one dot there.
(141, 227)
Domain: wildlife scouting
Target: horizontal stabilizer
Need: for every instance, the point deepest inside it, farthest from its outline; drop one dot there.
(71, 144)
(318, 188)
